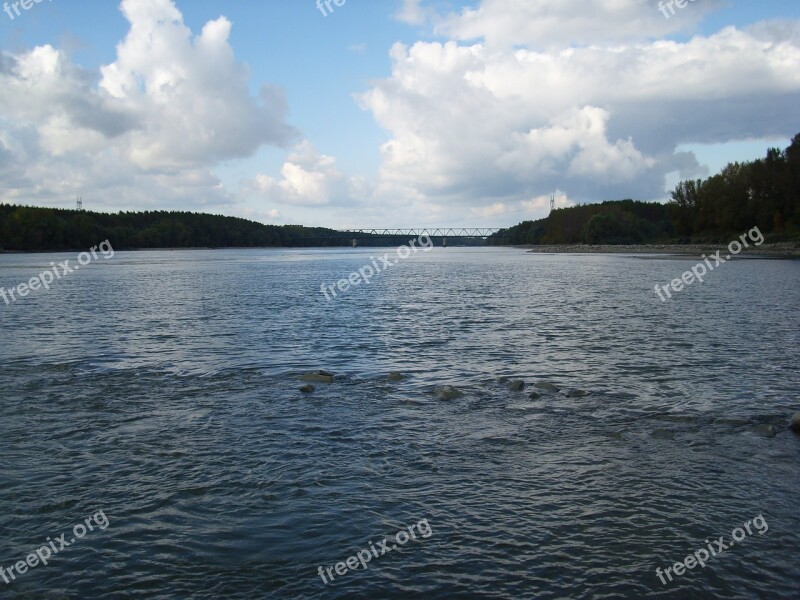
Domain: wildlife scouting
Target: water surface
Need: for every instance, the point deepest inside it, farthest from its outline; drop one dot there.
(162, 389)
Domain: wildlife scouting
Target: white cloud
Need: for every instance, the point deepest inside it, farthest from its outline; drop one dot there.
(563, 23)
(148, 128)
(308, 179)
(413, 13)
(193, 92)
(498, 208)
(478, 122)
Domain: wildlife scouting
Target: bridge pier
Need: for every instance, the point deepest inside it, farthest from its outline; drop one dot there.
(444, 242)
(355, 243)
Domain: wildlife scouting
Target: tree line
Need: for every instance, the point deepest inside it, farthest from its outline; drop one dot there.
(24, 228)
(763, 193)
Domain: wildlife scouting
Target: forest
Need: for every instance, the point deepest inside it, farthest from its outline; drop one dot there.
(763, 193)
(24, 228)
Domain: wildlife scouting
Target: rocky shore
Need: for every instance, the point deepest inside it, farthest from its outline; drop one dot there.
(781, 250)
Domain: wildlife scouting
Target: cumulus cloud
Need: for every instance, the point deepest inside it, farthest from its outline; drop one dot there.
(601, 119)
(564, 23)
(307, 179)
(152, 124)
(193, 91)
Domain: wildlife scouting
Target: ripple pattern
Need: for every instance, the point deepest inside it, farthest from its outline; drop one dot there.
(163, 389)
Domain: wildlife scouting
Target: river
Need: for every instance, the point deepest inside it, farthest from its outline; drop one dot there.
(162, 389)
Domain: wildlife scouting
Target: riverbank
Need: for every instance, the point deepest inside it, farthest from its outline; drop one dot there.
(778, 250)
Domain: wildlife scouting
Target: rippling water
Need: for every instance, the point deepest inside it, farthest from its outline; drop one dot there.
(162, 388)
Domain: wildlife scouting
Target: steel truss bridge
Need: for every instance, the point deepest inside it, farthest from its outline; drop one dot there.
(437, 232)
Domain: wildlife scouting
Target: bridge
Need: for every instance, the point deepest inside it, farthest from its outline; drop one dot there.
(416, 232)
(454, 232)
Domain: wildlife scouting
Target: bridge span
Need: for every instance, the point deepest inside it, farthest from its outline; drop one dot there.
(441, 233)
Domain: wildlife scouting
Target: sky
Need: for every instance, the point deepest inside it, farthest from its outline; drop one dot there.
(386, 113)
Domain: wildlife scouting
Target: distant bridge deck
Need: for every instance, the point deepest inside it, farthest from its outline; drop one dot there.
(437, 232)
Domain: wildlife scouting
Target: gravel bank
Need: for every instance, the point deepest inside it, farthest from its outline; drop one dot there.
(783, 249)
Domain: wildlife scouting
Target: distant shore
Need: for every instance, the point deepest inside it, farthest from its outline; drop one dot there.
(778, 250)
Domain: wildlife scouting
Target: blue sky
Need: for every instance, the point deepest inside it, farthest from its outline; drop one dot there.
(481, 112)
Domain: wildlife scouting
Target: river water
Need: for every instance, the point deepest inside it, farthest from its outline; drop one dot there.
(161, 389)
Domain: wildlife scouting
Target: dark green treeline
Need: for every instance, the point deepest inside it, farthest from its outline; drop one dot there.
(763, 193)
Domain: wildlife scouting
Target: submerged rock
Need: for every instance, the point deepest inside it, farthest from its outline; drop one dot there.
(731, 421)
(676, 418)
(794, 424)
(448, 392)
(317, 377)
(663, 434)
(577, 394)
(767, 431)
(547, 387)
(517, 385)
(307, 389)
(396, 376)
(534, 395)
(502, 380)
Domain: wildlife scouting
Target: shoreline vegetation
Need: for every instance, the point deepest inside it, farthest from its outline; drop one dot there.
(767, 250)
(764, 193)
(33, 229)
(701, 216)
